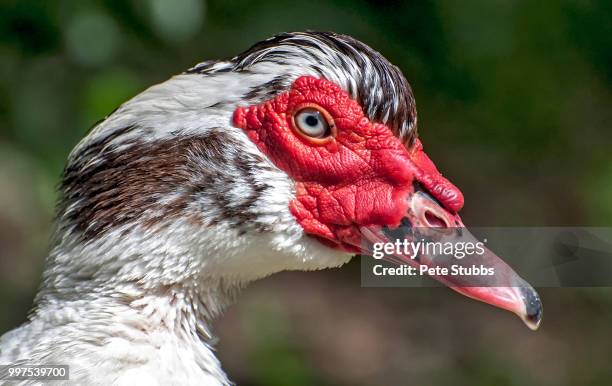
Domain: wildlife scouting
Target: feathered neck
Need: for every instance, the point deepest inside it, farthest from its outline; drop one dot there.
(117, 318)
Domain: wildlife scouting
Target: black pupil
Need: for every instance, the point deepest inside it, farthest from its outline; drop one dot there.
(312, 120)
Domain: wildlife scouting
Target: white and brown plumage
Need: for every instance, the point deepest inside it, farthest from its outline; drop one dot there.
(176, 200)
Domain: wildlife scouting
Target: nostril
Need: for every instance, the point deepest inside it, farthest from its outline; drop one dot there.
(434, 221)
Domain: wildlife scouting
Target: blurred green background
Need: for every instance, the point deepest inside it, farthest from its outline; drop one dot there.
(515, 106)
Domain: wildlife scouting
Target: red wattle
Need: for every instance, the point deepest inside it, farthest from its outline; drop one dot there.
(360, 177)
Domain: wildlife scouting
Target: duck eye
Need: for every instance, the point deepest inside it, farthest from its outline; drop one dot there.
(312, 123)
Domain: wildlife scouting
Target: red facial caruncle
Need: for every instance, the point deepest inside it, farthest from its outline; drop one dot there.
(360, 174)
(357, 184)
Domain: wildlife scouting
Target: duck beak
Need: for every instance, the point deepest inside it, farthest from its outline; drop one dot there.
(427, 222)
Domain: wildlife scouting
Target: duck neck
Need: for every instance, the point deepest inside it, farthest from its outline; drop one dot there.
(183, 307)
(103, 301)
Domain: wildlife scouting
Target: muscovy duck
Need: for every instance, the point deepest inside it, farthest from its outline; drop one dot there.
(294, 155)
